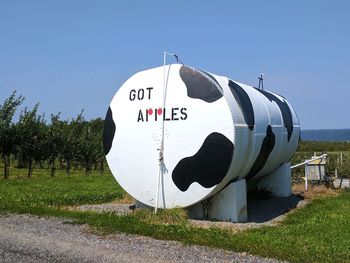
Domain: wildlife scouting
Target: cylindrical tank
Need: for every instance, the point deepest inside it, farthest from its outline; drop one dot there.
(216, 131)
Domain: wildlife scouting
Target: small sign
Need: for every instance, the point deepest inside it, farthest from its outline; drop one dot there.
(315, 170)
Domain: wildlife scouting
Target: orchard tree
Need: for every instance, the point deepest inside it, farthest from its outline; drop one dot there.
(8, 135)
(88, 152)
(54, 140)
(32, 133)
(97, 126)
(71, 133)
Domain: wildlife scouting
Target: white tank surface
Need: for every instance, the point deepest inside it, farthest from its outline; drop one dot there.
(216, 131)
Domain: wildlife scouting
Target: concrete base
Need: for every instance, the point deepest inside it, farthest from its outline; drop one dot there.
(230, 204)
(278, 183)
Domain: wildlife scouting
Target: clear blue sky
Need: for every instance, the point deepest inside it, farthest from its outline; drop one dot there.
(72, 55)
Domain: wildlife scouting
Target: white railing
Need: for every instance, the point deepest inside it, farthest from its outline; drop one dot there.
(306, 167)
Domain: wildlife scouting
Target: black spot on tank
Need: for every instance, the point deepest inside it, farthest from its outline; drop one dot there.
(208, 166)
(244, 103)
(285, 110)
(199, 85)
(108, 131)
(213, 79)
(265, 151)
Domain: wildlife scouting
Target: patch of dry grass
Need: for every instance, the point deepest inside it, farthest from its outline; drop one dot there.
(126, 199)
(314, 191)
(163, 216)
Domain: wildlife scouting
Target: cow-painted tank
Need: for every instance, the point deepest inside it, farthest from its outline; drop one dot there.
(210, 130)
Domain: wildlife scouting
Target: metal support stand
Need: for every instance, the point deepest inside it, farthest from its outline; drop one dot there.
(230, 204)
(278, 182)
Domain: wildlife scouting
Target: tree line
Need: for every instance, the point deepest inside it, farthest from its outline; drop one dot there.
(34, 139)
(323, 146)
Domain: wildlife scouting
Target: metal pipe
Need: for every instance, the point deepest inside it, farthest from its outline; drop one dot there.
(309, 161)
(160, 159)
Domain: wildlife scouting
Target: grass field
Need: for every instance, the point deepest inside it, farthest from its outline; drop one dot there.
(43, 191)
(317, 233)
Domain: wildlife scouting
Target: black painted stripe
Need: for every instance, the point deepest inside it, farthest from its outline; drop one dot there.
(244, 103)
(265, 151)
(212, 78)
(285, 110)
(208, 166)
(199, 85)
(108, 131)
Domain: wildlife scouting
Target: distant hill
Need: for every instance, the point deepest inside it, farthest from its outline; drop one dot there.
(336, 135)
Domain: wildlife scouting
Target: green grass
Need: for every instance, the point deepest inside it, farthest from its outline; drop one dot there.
(20, 194)
(38, 172)
(317, 233)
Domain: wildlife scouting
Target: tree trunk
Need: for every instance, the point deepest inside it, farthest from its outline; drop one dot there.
(30, 170)
(88, 168)
(53, 171)
(61, 164)
(101, 167)
(6, 166)
(68, 167)
(53, 168)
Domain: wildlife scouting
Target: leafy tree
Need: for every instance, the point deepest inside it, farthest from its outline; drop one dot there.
(97, 126)
(7, 129)
(32, 134)
(71, 132)
(55, 140)
(89, 145)
(32, 141)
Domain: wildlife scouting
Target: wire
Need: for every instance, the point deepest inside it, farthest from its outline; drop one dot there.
(175, 56)
(161, 149)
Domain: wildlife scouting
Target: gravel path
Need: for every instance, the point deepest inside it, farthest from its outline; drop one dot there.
(264, 212)
(25, 238)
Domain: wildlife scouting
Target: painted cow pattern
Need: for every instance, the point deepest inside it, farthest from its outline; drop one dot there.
(210, 163)
(208, 166)
(284, 108)
(199, 85)
(108, 131)
(267, 146)
(244, 103)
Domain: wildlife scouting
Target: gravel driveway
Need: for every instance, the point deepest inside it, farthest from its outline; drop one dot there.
(26, 238)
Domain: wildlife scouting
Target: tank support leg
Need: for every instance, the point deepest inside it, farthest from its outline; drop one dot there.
(230, 204)
(278, 183)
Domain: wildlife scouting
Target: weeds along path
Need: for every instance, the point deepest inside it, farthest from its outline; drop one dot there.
(27, 238)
